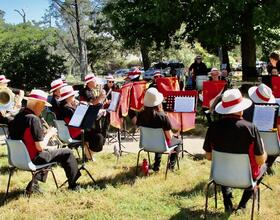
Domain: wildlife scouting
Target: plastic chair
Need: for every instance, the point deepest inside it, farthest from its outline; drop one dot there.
(271, 142)
(64, 136)
(152, 140)
(18, 158)
(232, 170)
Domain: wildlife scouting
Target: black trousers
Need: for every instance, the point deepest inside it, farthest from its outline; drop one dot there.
(270, 160)
(65, 158)
(247, 193)
(172, 157)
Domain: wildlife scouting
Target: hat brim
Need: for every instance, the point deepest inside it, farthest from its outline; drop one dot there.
(74, 93)
(253, 95)
(31, 98)
(244, 104)
(64, 84)
(5, 81)
(132, 77)
(93, 80)
(156, 102)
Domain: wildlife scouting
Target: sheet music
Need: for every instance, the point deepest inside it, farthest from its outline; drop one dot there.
(78, 116)
(184, 104)
(264, 117)
(114, 101)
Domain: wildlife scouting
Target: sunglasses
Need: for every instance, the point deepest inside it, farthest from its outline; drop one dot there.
(110, 81)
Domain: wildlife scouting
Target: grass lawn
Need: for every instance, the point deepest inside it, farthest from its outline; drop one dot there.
(119, 195)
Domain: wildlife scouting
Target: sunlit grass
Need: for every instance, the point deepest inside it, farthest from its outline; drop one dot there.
(120, 195)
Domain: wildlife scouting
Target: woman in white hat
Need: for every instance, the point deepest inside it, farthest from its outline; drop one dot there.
(91, 93)
(233, 134)
(154, 117)
(55, 90)
(110, 85)
(261, 94)
(68, 104)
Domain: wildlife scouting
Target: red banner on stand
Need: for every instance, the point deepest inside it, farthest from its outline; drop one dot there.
(125, 98)
(165, 84)
(275, 81)
(211, 89)
(137, 95)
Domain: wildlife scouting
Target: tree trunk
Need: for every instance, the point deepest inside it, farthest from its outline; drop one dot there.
(82, 55)
(145, 57)
(225, 58)
(248, 46)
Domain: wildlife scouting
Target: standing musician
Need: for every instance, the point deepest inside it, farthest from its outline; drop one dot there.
(55, 90)
(27, 127)
(233, 134)
(94, 138)
(15, 98)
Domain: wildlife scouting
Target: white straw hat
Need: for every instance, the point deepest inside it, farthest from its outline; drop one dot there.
(3, 79)
(232, 102)
(57, 84)
(261, 94)
(110, 78)
(39, 95)
(90, 77)
(66, 92)
(152, 98)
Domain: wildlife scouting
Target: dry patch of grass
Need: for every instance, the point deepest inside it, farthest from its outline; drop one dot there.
(120, 195)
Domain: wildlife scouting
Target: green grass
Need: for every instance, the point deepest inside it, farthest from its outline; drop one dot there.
(121, 195)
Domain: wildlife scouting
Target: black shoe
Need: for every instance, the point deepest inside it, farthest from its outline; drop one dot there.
(270, 171)
(155, 168)
(74, 187)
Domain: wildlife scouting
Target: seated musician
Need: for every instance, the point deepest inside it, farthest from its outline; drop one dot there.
(153, 116)
(156, 75)
(27, 127)
(8, 114)
(94, 138)
(110, 85)
(261, 94)
(91, 93)
(55, 90)
(233, 134)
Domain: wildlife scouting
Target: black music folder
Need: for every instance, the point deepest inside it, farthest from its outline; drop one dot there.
(85, 116)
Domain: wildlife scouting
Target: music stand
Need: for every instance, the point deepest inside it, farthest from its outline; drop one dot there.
(170, 106)
(84, 118)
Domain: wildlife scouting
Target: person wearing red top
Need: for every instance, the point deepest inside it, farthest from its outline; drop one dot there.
(233, 134)
(153, 116)
(27, 127)
(94, 138)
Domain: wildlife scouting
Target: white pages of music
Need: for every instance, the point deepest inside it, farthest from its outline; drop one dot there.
(263, 117)
(184, 104)
(114, 101)
(78, 116)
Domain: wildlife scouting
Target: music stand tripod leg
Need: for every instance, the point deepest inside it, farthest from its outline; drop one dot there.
(120, 143)
(83, 166)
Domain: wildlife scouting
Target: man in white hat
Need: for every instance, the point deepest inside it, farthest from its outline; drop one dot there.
(261, 94)
(233, 134)
(197, 68)
(91, 93)
(154, 117)
(27, 127)
(55, 90)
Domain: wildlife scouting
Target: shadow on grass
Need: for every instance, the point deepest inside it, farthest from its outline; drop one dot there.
(11, 196)
(199, 188)
(4, 170)
(126, 177)
(193, 214)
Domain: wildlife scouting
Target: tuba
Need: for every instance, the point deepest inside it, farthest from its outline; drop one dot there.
(7, 99)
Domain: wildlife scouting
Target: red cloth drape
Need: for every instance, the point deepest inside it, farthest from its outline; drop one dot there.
(137, 95)
(211, 89)
(165, 84)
